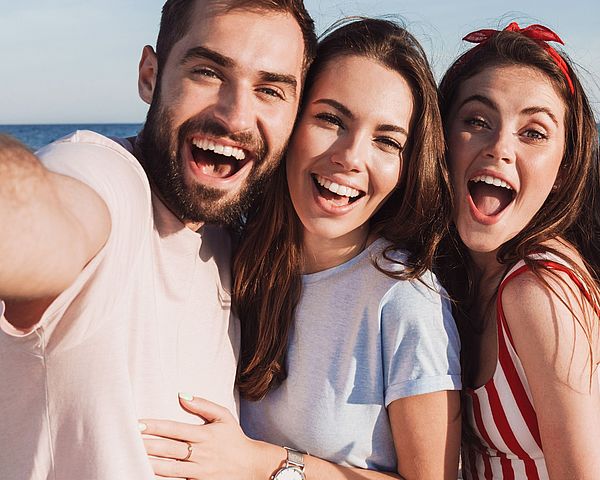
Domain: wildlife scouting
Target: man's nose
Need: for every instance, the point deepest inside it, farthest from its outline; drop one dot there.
(235, 108)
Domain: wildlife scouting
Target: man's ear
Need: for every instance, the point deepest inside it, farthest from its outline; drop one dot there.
(147, 74)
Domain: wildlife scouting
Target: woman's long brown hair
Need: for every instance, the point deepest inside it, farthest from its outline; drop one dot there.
(268, 263)
(571, 213)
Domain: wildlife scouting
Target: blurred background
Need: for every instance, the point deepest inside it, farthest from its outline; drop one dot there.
(73, 62)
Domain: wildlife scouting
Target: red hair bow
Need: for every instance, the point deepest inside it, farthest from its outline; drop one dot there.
(539, 33)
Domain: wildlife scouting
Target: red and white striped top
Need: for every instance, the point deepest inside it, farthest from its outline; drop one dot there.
(501, 412)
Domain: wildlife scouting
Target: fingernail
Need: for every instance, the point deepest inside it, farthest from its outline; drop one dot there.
(188, 397)
(142, 426)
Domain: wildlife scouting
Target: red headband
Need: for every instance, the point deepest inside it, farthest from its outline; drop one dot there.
(539, 33)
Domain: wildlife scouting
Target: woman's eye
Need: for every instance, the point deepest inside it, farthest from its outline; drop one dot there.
(330, 119)
(389, 144)
(535, 134)
(476, 122)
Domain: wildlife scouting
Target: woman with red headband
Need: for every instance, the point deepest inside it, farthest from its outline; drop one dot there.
(522, 148)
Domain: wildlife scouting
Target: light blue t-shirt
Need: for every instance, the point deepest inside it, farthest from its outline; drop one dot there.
(360, 341)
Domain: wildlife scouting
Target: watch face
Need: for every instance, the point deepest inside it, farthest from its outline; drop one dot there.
(289, 473)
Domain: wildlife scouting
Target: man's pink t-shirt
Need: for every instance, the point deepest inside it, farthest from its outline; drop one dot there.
(147, 318)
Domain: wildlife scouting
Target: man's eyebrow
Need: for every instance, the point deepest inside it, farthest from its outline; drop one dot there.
(207, 53)
(534, 110)
(279, 78)
(337, 105)
(227, 62)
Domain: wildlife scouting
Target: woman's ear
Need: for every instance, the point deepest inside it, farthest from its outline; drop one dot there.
(147, 74)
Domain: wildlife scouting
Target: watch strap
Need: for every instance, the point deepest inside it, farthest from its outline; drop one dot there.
(295, 458)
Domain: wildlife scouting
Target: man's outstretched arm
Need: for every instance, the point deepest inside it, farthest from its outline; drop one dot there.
(52, 225)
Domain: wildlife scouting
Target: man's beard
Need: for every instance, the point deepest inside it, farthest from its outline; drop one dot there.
(159, 148)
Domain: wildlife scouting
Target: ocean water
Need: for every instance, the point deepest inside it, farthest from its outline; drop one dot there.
(36, 136)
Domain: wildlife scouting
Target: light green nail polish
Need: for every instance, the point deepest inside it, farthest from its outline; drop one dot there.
(188, 397)
(142, 426)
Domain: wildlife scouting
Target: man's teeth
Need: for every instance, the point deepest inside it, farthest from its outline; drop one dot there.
(225, 150)
(336, 188)
(491, 181)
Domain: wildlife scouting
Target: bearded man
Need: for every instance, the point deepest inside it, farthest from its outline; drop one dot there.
(115, 259)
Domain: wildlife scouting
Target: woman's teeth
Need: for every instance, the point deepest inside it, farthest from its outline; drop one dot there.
(336, 188)
(491, 181)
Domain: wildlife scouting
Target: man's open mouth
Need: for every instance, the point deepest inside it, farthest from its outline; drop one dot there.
(338, 195)
(490, 195)
(217, 159)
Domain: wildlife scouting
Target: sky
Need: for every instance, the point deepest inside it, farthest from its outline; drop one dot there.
(74, 61)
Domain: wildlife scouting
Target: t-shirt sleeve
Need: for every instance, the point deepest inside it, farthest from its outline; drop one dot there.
(114, 174)
(106, 167)
(420, 342)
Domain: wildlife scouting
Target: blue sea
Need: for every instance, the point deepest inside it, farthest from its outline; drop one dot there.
(36, 136)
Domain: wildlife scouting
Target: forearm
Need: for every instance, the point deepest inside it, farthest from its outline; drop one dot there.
(43, 245)
(269, 458)
(219, 449)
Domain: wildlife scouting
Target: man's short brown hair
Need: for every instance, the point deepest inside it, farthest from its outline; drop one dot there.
(176, 14)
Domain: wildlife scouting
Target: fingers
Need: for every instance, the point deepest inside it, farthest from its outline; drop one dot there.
(173, 468)
(166, 448)
(206, 409)
(168, 429)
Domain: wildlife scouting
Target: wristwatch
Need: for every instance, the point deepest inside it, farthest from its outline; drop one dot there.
(293, 468)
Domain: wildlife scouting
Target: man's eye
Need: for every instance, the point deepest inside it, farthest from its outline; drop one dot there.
(205, 72)
(271, 92)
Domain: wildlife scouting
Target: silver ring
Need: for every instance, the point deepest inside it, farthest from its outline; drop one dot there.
(189, 454)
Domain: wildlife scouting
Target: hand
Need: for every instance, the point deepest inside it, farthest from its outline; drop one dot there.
(218, 450)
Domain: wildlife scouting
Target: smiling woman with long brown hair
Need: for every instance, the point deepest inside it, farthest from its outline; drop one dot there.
(524, 257)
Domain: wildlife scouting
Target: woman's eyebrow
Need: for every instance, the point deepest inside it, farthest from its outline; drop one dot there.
(386, 127)
(347, 113)
(337, 105)
(479, 98)
(526, 111)
(534, 110)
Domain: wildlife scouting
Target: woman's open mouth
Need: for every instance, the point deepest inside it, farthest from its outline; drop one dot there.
(490, 195)
(338, 195)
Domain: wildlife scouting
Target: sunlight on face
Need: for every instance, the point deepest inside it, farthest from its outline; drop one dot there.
(345, 156)
(222, 114)
(506, 139)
